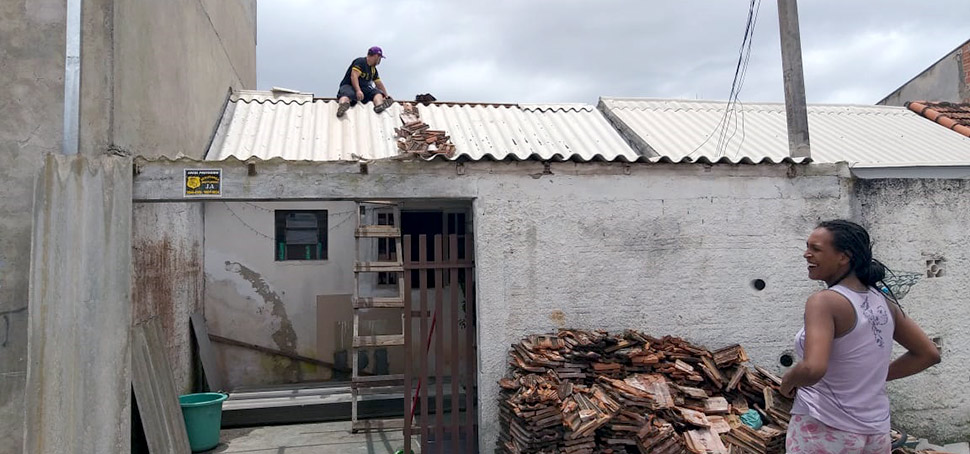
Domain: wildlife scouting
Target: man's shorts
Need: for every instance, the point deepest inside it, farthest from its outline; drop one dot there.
(348, 91)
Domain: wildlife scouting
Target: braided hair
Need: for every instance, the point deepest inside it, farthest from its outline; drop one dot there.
(853, 239)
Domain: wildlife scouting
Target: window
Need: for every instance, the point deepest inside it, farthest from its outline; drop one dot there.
(301, 235)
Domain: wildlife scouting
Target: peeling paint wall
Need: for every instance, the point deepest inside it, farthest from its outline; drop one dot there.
(168, 280)
(251, 297)
(913, 222)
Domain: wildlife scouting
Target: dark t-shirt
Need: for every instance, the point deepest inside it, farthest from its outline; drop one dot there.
(368, 73)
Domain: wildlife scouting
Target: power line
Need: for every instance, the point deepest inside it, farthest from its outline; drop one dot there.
(744, 73)
(731, 110)
(740, 71)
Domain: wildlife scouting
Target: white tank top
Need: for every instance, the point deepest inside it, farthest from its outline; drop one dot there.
(852, 395)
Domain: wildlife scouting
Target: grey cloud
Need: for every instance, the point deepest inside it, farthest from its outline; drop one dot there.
(576, 51)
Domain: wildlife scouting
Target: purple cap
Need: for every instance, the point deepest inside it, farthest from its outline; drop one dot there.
(376, 50)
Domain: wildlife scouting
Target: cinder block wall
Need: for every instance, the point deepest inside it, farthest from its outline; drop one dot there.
(671, 251)
(913, 222)
(674, 252)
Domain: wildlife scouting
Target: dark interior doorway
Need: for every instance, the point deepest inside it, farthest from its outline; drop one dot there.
(431, 223)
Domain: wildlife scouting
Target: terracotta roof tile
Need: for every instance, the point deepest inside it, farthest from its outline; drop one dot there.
(950, 115)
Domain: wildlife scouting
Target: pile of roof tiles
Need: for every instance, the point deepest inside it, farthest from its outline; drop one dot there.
(416, 137)
(589, 392)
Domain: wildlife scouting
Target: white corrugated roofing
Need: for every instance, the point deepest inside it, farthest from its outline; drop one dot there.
(268, 125)
(546, 132)
(679, 129)
(296, 127)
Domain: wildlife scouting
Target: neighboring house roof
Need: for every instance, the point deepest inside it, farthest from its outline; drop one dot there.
(871, 135)
(941, 80)
(296, 126)
(950, 115)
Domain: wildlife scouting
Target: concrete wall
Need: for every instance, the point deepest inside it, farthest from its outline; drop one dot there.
(668, 249)
(154, 79)
(297, 307)
(31, 74)
(912, 221)
(672, 253)
(174, 63)
(251, 297)
(947, 80)
(171, 67)
(167, 249)
(675, 254)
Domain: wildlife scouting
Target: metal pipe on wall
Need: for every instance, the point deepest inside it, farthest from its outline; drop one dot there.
(72, 79)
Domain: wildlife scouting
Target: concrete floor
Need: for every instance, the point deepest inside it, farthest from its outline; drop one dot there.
(319, 438)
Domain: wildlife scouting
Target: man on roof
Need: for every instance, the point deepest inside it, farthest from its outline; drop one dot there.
(363, 83)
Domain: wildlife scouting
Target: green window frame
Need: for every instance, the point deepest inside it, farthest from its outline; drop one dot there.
(301, 235)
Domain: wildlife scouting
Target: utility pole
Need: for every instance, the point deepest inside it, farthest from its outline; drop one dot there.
(791, 62)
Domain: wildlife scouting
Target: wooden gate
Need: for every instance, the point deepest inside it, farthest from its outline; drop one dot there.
(441, 398)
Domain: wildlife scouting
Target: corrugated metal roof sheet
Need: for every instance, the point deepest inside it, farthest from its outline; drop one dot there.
(678, 129)
(296, 127)
(266, 125)
(545, 132)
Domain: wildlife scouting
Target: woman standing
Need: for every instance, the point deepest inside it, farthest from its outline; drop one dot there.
(845, 349)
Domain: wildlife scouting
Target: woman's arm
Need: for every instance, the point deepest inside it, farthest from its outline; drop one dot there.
(921, 352)
(819, 334)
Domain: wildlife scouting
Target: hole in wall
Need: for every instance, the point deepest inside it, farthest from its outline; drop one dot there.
(759, 284)
(786, 359)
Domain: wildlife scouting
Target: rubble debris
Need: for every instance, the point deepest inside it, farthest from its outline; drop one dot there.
(416, 137)
(589, 392)
(426, 99)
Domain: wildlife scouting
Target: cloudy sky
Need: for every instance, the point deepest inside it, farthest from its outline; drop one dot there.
(854, 51)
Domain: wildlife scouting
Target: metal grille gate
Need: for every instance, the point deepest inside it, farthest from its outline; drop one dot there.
(440, 373)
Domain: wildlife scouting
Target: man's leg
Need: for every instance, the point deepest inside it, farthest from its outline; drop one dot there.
(344, 99)
(375, 96)
(381, 102)
(344, 105)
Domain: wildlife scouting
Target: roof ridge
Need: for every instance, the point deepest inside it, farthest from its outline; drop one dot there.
(816, 109)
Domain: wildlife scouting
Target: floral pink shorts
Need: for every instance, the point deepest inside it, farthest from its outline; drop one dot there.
(806, 435)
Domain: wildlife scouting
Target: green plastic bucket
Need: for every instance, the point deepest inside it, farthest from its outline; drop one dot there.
(203, 419)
